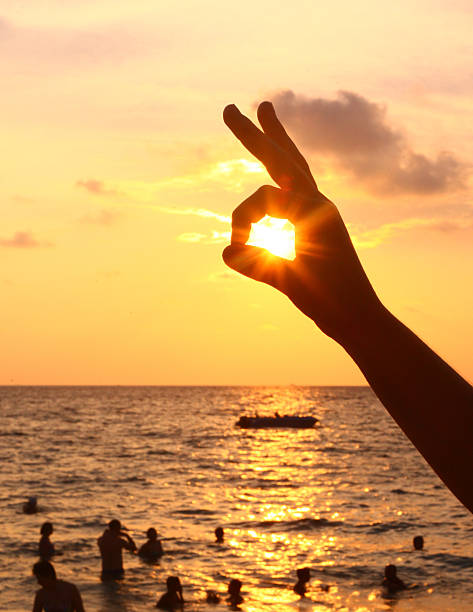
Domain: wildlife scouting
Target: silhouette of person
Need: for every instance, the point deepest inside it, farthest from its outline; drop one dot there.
(152, 549)
(391, 582)
(234, 596)
(212, 597)
(31, 506)
(326, 281)
(54, 595)
(46, 547)
(111, 543)
(219, 535)
(172, 599)
(303, 577)
(418, 542)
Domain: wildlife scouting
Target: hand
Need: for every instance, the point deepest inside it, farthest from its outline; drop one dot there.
(326, 280)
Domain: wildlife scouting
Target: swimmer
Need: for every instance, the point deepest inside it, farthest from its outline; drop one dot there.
(111, 544)
(172, 599)
(152, 549)
(418, 542)
(391, 582)
(234, 597)
(303, 577)
(46, 547)
(31, 506)
(212, 597)
(54, 595)
(219, 536)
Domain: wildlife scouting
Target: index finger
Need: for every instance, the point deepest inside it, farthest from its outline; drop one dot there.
(277, 161)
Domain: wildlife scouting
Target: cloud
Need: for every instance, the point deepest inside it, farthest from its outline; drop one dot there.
(19, 199)
(374, 237)
(198, 212)
(214, 237)
(96, 187)
(103, 217)
(191, 237)
(234, 175)
(21, 240)
(63, 47)
(357, 135)
(224, 276)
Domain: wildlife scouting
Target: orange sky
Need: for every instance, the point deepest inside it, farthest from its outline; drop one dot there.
(119, 178)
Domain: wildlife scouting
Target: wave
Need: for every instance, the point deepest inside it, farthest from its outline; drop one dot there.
(305, 524)
(456, 561)
(391, 526)
(13, 433)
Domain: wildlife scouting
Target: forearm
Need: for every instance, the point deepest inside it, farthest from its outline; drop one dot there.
(431, 403)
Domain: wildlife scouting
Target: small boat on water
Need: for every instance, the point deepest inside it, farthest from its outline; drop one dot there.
(257, 422)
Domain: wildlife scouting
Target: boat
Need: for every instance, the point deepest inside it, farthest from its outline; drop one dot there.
(261, 422)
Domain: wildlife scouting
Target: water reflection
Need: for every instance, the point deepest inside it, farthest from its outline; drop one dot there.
(322, 498)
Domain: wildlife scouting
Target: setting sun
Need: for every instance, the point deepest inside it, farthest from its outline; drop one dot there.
(275, 235)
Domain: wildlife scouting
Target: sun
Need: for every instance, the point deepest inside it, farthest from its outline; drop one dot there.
(275, 235)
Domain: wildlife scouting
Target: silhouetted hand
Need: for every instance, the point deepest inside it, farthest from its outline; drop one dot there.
(326, 280)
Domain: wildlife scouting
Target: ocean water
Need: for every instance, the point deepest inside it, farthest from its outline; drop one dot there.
(344, 499)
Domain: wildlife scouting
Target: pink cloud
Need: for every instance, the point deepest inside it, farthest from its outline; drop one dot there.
(96, 187)
(21, 240)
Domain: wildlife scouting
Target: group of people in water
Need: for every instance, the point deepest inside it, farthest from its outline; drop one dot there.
(60, 596)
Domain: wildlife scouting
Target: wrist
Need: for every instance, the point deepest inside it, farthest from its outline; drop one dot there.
(367, 329)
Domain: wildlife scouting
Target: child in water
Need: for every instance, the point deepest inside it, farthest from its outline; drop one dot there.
(303, 577)
(234, 596)
(46, 547)
(391, 582)
(152, 549)
(172, 599)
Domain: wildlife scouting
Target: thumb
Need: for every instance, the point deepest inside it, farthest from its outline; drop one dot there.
(258, 264)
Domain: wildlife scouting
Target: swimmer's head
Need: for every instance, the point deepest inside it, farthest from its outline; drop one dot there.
(390, 571)
(44, 572)
(212, 597)
(152, 534)
(46, 528)
(115, 525)
(173, 584)
(235, 586)
(418, 542)
(303, 574)
(219, 534)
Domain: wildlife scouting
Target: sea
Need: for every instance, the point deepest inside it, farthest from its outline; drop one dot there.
(345, 499)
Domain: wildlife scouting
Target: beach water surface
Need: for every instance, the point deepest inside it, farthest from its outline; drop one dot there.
(344, 498)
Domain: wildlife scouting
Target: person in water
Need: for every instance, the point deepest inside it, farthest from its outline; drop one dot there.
(152, 549)
(303, 577)
(212, 597)
(111, 544)
(31, 506)
(327, 282)
(219, 535)
(54, 595)
(234, 596)
(391, 582)
(172, 599)
(46, 547)
(418, 542)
